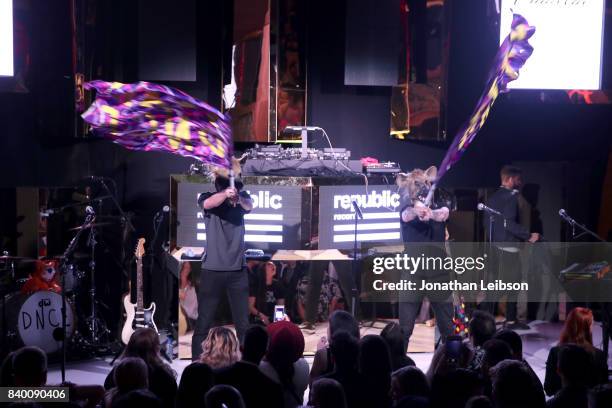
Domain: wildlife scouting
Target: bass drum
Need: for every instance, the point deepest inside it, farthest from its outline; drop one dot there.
(36, 320)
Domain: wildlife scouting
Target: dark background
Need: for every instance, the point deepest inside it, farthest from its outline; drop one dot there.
(39, 145)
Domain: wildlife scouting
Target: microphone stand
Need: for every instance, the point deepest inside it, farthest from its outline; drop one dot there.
(354, 291)
(89, 219)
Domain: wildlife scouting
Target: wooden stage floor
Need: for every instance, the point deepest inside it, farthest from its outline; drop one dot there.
(422, 340)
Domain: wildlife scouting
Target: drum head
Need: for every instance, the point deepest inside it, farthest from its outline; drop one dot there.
(39, 322)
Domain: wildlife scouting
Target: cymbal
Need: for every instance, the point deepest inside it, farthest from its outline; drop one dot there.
(94, 225)
(8, 258)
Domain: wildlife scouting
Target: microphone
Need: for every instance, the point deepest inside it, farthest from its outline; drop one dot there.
(563, 214)
(482, 207)
(357, 210)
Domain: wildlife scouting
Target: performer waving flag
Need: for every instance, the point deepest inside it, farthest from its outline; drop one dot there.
(511, 56)
(152, 117)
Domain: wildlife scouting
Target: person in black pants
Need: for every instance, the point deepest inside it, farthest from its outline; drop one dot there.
(424, 233)
(224, 265)
(509, 230)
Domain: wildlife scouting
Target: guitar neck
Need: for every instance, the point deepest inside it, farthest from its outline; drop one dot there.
(139, 295)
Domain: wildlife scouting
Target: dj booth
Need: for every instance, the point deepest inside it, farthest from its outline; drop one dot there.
(296, 213)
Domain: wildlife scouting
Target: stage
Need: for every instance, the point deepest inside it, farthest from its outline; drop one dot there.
(422, 340)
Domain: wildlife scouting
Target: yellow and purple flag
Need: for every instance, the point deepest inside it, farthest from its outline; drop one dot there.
(511, 56)
(151, 117)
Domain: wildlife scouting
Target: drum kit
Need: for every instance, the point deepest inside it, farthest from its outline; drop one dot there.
(31, 294)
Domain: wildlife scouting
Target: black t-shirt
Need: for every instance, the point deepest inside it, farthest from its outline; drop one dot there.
(267, 297)
(224, 235)
(422, 231)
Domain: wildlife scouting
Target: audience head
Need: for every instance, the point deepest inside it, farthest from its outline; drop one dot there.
(286, 347)
(220, 348)
(374, 357)
(454, 354)
(600, 396)
(256, 341)
(224, 396)
(195, 382)
(577, 328)
(286, 343)
(344, 350)
(481, 327)
(328, 393)
(514, 386)
(137, 398)
(495, 352)
(573, 365)
(395, 338)
(29, 367)
(6, 371)
(409, 381)
(343, 320)
(454, 388)
(131, 373)
(144, 343)
(512, 339)
(479, 401)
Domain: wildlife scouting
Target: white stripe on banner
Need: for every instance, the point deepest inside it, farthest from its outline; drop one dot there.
(201, 226)
(263, 227)
(264, 217)
(381, 215)
(263, 238)
(377, 236)
(367, 227)
(201, 236)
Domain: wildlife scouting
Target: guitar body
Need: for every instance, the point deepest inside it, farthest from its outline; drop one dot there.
(136, 314)
(135, 320)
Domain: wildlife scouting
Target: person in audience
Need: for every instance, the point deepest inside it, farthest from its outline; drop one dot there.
(454, 388)
(513, 339)
(481, 328)
(514, 386)
(220, 348)
(265, 292)
(327, 393)
(479, 401)
(338, 320)
(284, 362)
(224, 396)
(29, 369)
(375, 366)
(573, 368)
(395, 338)
(138, 398)
(409, 388)
(196, 380)
(577, 330)
(130, 374)
(144, 343)
(6, 371)
(344, 352)
(495, 351)
(600, 396)
(256, 388)
(454, 354)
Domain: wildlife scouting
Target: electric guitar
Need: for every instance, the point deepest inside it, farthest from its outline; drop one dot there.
(137, 315)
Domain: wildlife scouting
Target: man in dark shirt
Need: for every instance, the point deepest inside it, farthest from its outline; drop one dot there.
(507, 230)
(224, 265)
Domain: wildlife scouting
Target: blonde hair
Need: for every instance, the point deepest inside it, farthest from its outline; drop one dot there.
(220, 349)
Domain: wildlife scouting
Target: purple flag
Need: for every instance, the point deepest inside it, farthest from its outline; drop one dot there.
(152, 117)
